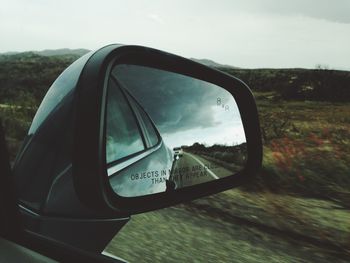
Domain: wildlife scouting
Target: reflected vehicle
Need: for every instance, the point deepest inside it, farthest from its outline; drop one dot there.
(178, 152)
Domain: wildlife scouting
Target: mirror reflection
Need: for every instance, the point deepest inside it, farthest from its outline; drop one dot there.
(166, 131)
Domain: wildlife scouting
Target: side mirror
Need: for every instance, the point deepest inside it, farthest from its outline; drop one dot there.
(149, 129)
(150, 111)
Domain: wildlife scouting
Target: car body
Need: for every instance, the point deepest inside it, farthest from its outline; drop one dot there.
(144, 166)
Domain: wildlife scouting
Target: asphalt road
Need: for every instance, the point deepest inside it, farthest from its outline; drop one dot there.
(191, 169)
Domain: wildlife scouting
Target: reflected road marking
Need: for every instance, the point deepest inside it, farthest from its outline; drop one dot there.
(210, 172)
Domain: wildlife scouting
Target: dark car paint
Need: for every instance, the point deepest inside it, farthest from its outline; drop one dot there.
(20, 245)
(47, 200)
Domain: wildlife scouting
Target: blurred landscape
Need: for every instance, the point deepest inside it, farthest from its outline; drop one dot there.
(296, 210)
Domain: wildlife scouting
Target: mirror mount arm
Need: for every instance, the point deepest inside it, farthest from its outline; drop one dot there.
(170, 185)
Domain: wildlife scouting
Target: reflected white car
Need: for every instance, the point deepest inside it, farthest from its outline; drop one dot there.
(178, 152)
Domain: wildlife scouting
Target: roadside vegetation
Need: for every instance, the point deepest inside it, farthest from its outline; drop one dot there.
(306, 148)
(302, 191)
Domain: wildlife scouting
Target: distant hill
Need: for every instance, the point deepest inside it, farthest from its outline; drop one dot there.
(211, 63)
(298, 83)
(63, 51)
(81, 51)
(292, 83)
(53, 52)
(32, 73)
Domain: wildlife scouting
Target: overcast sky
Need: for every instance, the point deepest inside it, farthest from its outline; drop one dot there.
(185, 110)
(244, 33)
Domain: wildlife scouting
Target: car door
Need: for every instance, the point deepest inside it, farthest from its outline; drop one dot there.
(138, 160)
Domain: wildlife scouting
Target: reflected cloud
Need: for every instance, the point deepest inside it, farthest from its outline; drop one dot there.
(175, 102)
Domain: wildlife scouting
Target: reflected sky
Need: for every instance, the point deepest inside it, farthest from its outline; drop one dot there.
(185, 110)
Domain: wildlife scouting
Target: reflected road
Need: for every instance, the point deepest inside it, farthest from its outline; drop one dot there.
(192, 169)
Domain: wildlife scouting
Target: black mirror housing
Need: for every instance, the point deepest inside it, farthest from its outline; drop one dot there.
(89, 163)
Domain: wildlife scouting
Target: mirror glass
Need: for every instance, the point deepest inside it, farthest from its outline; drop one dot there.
(166, 131)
